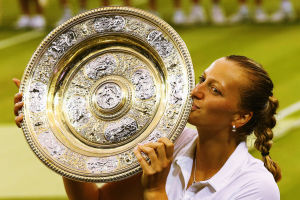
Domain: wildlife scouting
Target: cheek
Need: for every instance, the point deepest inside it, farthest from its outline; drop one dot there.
(219, 106)
(219, 109)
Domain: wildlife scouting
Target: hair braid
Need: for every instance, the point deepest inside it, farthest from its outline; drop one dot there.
(264, 135)
(257, 97)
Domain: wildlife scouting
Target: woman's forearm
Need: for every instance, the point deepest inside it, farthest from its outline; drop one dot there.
(81, 190)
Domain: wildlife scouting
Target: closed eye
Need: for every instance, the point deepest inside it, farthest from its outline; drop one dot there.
(215, 90)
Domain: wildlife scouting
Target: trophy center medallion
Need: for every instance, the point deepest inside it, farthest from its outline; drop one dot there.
(111, 98)
(108, 96)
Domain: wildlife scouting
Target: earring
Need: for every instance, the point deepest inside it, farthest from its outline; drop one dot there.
(233, 128)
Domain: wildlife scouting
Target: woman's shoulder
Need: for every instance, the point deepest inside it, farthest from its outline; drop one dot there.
(256, 182)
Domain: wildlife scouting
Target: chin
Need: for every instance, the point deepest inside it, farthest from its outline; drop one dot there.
(191, 121)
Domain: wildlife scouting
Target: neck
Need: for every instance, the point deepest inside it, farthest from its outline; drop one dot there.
(214, 147)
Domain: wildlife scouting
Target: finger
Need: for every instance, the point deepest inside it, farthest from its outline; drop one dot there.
(18, 97)
(145, 166)
(19, 120)
(17, 82)
(160, 150)
(151, 153)
(162, 155)
(18, 106)
(169, 147)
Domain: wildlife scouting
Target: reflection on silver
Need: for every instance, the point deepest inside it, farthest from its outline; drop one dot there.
(108, 96)
(76, 109)
(100, 66)
(60, 45)
(113, 23)
(177, 84)
(116, 132)
(160, 43)
(144, 86)
(48, 141)
(98, 165)
(154, 136)
(37, 95)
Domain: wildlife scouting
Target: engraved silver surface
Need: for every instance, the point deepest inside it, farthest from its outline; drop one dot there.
(100, 84)
(116, 132)
(144, 85)
(109, 95)
(102, 65)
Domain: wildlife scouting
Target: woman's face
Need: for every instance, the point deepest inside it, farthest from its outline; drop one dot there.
(216, 97)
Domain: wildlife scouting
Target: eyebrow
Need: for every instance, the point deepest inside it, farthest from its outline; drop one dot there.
(214, 81)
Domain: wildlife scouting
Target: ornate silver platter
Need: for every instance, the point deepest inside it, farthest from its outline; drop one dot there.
(100, 84)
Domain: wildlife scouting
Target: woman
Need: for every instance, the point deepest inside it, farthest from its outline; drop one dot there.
(233, 99)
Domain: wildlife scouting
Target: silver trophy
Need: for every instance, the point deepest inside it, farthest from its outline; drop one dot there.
(101, 83)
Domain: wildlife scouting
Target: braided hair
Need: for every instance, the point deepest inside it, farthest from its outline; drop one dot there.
(257, 97)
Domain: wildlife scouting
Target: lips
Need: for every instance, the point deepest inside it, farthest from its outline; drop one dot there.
(194, 107)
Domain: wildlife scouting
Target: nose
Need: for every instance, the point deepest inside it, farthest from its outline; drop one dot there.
(197, 92)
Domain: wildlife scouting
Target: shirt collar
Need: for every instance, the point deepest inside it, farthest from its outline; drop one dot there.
(185, 158)
(223, 176)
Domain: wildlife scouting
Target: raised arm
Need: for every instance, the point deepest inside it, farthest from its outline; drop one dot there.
(81, 190)
(128, 189)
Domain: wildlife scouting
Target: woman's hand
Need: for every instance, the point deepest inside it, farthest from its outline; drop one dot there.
(156, 172)
(18, 104)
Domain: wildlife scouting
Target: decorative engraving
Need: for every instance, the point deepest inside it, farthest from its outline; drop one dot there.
(108, 96)
(63, 42)
(155, 135)
(80, 85)
(48, 141)
(77, 111)
(137, 27)
(127, 158)
(170, 117)
(84, 29)
(110, 23)
(102, 165)
(102, 65)
(39, 122)
(160, 43)
(37, 97)
(74, 160)
(119, 131)
(144, 85)
(145, 107)
(177, 85)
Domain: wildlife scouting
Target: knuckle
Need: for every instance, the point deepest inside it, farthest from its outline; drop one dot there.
(160, 145)
(151, 151)
(149, 172)
(171, 146)
(140, 159)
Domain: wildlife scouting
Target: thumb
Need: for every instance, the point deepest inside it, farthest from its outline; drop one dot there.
(17, 82)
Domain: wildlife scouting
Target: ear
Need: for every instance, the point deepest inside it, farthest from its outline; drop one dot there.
(240, 119)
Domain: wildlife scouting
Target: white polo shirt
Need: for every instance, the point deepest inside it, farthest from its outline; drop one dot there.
(241, 177)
